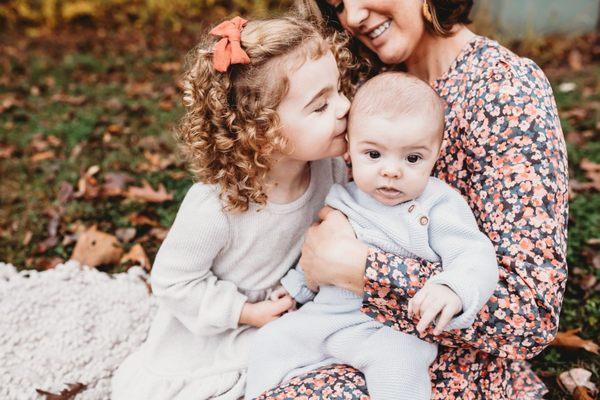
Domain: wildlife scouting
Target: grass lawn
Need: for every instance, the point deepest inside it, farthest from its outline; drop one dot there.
(86, 111)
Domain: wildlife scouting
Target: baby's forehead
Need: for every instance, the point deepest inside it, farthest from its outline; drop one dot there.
(407, 129)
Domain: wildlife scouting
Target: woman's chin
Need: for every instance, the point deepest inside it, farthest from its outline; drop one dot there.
(392, 51)
(390, 56)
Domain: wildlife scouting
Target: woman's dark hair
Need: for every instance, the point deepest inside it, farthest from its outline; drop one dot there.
(445, 14)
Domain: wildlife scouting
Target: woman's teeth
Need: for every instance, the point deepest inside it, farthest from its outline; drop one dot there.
(380, 29)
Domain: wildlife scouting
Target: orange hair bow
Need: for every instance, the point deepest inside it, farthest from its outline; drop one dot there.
(228, 50)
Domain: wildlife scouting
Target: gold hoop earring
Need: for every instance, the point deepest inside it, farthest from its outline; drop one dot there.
(427, 12)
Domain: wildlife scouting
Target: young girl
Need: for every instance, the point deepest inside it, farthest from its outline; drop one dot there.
(264, 116)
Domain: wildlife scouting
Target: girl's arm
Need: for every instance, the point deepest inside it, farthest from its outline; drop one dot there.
(181, 277)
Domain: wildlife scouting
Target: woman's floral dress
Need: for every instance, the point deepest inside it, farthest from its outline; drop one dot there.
(504, 151)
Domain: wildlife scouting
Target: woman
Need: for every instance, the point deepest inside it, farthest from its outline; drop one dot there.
(504, 151)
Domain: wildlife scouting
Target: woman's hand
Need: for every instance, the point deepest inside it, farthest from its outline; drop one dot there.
(331, 254)
(263, 312)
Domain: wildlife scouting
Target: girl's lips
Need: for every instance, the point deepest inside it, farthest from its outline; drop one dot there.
(340, 136)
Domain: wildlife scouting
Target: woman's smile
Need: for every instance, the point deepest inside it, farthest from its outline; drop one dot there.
(379, 30)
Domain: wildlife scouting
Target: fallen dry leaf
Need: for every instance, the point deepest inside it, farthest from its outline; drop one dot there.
(114, 104)
(172, 66)
(27, 238)
(66, 394)
(139, 89)
(53, 140)
(68, 99)
(87, 186)
(49, 263)
(571, 340)
(592, 172)
(159, 233)
(41, 156)
(166, 105)
(45, 244)
(115, 183)
(178, 175)
(582, 393)
(65, 192)
(138, 256)
(577, 382)
(114, 129)
(148, 194)
(125, 234)
(6, 151)
(575, 60)
(95, 248)
(155, 161)
(142, 219)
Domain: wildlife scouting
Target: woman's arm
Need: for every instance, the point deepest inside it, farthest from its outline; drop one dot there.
(518, 193)
(517, 189)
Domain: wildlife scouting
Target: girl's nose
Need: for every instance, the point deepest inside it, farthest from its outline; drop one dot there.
(356, 14)
(343, 106)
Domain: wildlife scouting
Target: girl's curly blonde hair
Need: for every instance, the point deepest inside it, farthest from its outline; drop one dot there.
(230, 129)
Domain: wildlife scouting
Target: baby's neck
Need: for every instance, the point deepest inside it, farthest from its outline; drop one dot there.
(287, 180)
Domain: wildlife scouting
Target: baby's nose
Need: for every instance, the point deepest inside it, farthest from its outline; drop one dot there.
(391, 172)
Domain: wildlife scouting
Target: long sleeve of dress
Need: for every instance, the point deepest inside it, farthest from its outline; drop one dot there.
(513, 151)
(181, 277)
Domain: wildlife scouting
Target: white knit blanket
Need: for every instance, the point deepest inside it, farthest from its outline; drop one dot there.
(66, 325)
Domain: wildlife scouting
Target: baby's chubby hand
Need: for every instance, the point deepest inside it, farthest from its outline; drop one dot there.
(263, 312)
(433, 300)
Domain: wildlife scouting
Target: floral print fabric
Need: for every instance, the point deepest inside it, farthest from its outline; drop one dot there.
(504, 152)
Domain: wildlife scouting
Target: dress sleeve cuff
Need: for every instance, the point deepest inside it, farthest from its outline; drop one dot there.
(235, 309)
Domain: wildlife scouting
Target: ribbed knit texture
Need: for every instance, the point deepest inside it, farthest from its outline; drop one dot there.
(208, 266)
(437, 226)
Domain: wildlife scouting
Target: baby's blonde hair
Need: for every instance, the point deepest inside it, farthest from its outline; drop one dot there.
(231, 129)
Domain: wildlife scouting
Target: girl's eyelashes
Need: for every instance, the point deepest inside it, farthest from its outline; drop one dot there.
(322, 108)
(373, 154)
(413, 158)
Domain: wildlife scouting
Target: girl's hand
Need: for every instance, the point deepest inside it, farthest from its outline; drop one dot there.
(282, 292)
(263, 312)
(433, 300)
(331, 254)
(278, 293)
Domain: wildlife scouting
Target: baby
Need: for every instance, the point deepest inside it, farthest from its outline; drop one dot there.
(395, 133)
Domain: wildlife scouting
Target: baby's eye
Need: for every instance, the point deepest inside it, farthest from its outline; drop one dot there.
(374, 154)
(413, 158)
(322, 108)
